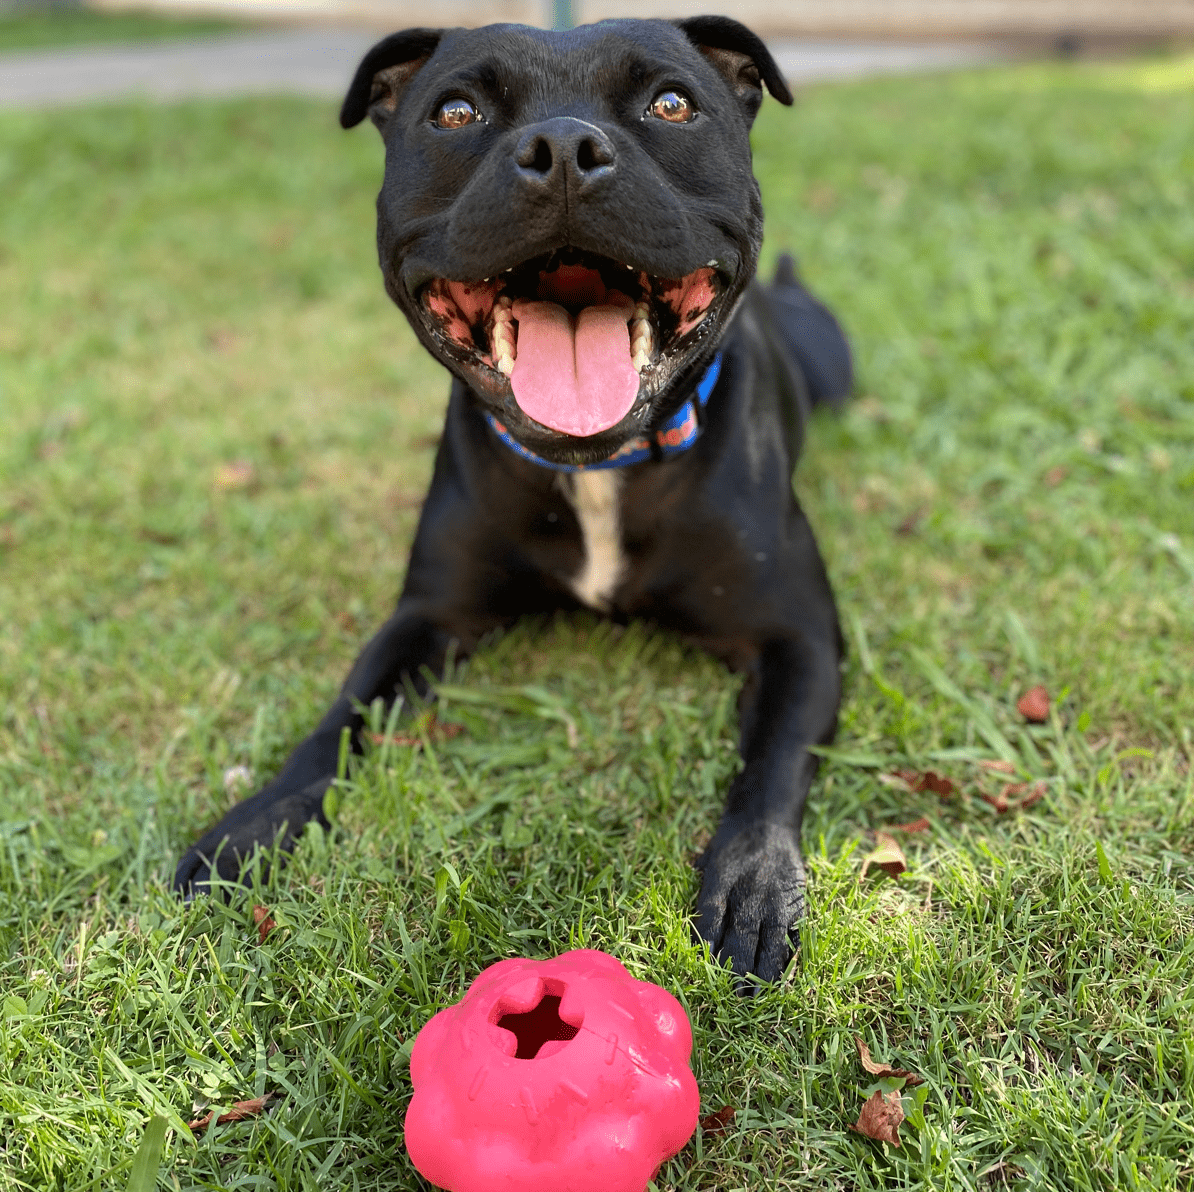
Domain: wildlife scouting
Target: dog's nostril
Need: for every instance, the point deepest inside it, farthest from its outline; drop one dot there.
(592, 154)
(537, 156)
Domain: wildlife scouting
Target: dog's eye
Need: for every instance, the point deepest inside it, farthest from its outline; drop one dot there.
(673, 106)
(456, 113)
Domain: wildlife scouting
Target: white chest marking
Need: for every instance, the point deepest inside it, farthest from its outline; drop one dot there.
(594, 498)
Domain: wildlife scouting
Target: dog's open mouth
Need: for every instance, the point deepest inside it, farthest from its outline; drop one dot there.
(575, 337)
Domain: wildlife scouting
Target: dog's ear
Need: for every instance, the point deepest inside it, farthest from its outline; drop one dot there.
(384, 72)
(740, 57)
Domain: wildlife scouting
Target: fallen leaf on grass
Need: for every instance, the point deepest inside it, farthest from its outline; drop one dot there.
(884, 1071)
(916, 825)
(927, 780)
(435, 729)
(237, 474)
(719, 1122)
(1034, 796)
(881, 1117)
(237, 779)
(265, 924)
(1033, 705)
(238, 1113)
(221, 340)
(1002, 1173)
(1008, 799)
(998, 766)
(886, 855)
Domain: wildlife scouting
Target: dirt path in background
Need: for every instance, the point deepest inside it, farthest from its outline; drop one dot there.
(320, 62)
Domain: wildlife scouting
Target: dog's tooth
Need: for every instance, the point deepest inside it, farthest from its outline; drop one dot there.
(501, 315)
(640, 338)
(505, 365)
(642, 311)
(504, 301)
(640, 360)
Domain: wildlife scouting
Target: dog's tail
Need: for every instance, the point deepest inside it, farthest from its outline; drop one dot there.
(812, 336)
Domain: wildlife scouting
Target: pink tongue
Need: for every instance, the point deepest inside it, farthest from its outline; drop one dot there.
(574, 377)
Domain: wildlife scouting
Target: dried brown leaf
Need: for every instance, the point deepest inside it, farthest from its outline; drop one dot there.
(238, 1113)
(222, 340)
(265, 924)
(436, 730)
(1034, 796)
(1002, 1173)
(719, 1122)
(938, 784)
(881, 1117)
(884, 1071)
(236, 474)
(928, 780)
(916, 825)
(886, 855)
(997, 766)
(1033, 705)
(999, 801)
(1016, 796)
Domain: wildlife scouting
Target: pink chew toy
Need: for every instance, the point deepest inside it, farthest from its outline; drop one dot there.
(562, 1075)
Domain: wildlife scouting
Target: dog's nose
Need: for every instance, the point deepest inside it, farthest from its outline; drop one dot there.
(567, 146)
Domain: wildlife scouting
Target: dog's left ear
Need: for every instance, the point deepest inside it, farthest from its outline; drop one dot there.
(383, 73)
(740, 57)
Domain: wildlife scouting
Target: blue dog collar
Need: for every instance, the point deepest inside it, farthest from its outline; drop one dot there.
(679, 433)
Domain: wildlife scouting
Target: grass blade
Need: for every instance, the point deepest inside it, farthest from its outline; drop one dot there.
(987, 728)
(143, 1175)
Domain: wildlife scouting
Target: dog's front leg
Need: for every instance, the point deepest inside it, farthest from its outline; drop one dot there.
(752, 890)
(279, 812)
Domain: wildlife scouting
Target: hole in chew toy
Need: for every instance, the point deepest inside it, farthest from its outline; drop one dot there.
(541, 1025)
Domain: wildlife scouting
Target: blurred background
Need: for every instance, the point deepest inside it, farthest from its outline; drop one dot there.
(1027, 20)
(167, 49)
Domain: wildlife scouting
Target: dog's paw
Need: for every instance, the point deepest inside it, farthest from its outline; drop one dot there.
(270, 818)
(751, 896)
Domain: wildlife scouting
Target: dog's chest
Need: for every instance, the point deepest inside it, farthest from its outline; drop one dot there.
(595, 498)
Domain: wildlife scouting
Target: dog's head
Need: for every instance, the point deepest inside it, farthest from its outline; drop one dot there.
(569, 219)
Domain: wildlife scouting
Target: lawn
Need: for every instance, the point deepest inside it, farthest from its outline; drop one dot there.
(49, 26)
(214, 436)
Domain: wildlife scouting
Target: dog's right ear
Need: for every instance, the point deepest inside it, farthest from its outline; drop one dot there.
(383, 73)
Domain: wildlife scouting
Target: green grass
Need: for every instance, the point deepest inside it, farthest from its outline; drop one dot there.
(1006, 502)
(48, 26)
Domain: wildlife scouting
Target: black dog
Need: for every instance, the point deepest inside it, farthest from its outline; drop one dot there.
(570, 223)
